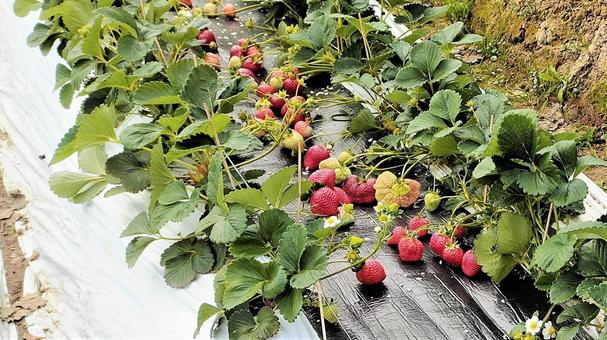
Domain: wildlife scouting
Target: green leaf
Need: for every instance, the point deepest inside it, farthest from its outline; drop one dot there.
(564, 155)
(201, 87)
(132, 168)
(444, 146)
(162, 214)
(215, 182)
(598, 294)
(542, 179)
(272, 224)
(446, 105)
(160, 174)
(184, 259)
(496, 265)
(243, 326)
(62, 76)
(91, 44)
(292, 192)
(148, 69)
(363, 121)
(205, 312)
(178, 73)
(446, 68)
(24, 7)
(136, 248)
(567, 332)
(236, 140)
(448, 34)
(579, 313)
(77, 187)
(484, 168)
(518, 136)
(290, 303)
(139, 135)
(587, 161)
(592, 258)
(514, 232)
(402, 49)
(173, 122)
(121, 16)
(554, 254)
(139, 226)
(66, 95)
(173, 193)
(247, 277)
(92, 160)
(312, 266)
(291, 247)
(426, 56)
(347, 65)
(74, 13)
(249, 245)
(93, 129)
(156, 93)
(569, 192)
(410, 77)
(564, 287)
(425, 121)
(274, 187)
(131, 49)
(582, 288)
(228, 228)
(215, 125)
(248, 197)
(586, 230)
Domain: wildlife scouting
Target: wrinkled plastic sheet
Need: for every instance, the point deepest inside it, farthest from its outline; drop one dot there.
(90, 292)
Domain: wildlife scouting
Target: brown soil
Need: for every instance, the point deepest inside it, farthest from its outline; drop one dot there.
(15, 263)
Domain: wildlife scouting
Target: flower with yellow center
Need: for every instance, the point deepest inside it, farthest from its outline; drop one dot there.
(384, 218)
(533, 325)
(549, 332)
(331, 222)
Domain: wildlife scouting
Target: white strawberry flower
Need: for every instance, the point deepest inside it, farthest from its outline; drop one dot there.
(549, 332)
(377, 229)
(186, 13)
(331, 222)
(533, 325)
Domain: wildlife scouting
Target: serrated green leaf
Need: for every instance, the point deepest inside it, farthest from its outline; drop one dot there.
(91, 44)
(247, 277)
(229, 227)
(312, 267)
(173, 193)
(132, 168)
(139, 135)
(518, 136)
(178, 73)
(363, 121)
(598, 294)
(446, 105)
(496, 265)
(201, 87)
(592, 258)
(292, 192)
(138, 226)
(62, 76)
(74, 13)
(564, 287)
(161, 214)
(579, 313)
(444, 146)
(445, 69)
(160, 175)
(205, 312)
(215, 182)
(236, 140)
(156, 93)
(173, 122)
(274, 187)
(514, 232)
(136, 248)
(39, 35)
(120, 16)
(567, 332)
(249, 245)
(92, 160)
(248, 197)
(243, 326)
(290, 303)
(582, 288)
(66, 95)
(586, 230)
(77, 187)
(148, 69)
(564, 155)
(131, 49)
(24, 7)
(272, 223)
(484, 168)
(554, 254)
(448, 34)
(569, 192)
(209, 127)
(410, 77)
(291, 247)
(184, 259)
(587, 161)
(426, 56)
(424, 121)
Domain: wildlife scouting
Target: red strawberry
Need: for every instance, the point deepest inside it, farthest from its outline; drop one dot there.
(236, 50)
(371, 273)
(397, 234)
(278, 73)
(297, 99)
(206, 36)
(265, 114)
(264, 90)
(418, 222)
(186, 2)
(277, 100)
(453, 254)
(304, 129)
(359, 191)
(246, 72)
(314, 156)
(291, 85)
(243, 41)
(294, 118)
(469, 265)
(253, 52)
(438, 243)
(325, 177)
(248, 63)
(325, 201)
(410, 249)
(459, 232)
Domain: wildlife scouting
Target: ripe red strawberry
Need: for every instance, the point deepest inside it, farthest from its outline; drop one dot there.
(294, 118)
(304, 129)
(278, 100)
(438, 243)
(291, 85)
(469, 265)
(314, 156)
(325, 177)
(371, 273)
(359, 191)
(236, 50)
(326, 201)
(410, 249)
(459, 232)
(397, 234)
(248, 63)
(453, 254)
(186, 2)
(206, 36)
(265, 114)
(264, 90)
(418, 222)
(246, 72)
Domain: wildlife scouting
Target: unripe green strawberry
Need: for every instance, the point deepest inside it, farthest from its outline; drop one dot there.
(345, 157)
(330, 163)
(356, 241)
(432, 200)
(293, 142)
(341, 174)
(234, 62)
(276, 83)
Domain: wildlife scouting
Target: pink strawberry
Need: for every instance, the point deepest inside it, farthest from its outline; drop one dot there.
(469, 265)
(438, 243)
(236, 50)
(264, 90)
(410, 249)
(265, 114)
(253, 52)
(326, 201)
(291, 85)
(206, 36)
(277, 100)
(243, 41)
(304, 129)
(397, 234)
(297, 99)
(325, 177)
(246, 72)
(453, 254)
(418, 222)
(371, 273)
(186, 2)
(248, 63)
(459, 232)
(359, 191)
(314, 156)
